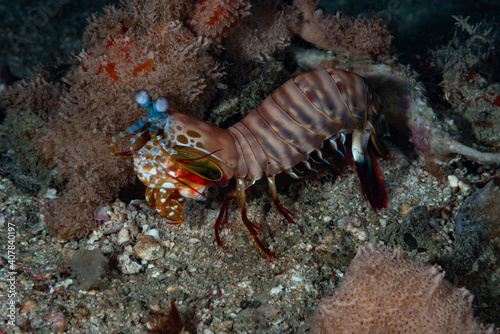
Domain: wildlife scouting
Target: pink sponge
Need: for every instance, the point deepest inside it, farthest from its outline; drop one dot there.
(386, 292)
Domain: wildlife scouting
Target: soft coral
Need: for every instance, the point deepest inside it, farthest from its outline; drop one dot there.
(212, 18)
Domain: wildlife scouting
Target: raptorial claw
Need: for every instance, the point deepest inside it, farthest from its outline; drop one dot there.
(166, 203)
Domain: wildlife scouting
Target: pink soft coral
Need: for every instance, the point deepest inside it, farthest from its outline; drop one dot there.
(386, 292)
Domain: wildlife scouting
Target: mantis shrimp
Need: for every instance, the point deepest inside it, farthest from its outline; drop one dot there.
(178, 156)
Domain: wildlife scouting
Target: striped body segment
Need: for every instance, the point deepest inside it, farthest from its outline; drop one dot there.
(298, 117)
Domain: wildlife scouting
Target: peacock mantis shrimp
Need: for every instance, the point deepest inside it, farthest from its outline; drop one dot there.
(178, 156)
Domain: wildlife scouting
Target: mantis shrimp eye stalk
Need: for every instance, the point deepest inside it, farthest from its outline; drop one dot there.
(143, 98)
(156, 118)
(161, 105)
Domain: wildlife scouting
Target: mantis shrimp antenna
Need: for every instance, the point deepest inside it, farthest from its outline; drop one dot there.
(157, 115)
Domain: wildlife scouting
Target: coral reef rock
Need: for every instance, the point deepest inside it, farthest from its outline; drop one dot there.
(477, 224)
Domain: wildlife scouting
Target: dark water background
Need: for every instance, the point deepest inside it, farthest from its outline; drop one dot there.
(47, 31)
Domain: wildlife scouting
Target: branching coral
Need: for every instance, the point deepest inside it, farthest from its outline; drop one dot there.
(385, 292)
(272, 24)
(342, 34)
(212, 18)
(145, 44)
(266, 31)
(470, 80)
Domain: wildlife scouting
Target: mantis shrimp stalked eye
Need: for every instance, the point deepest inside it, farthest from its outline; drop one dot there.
(179, 156)
(155, 119)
